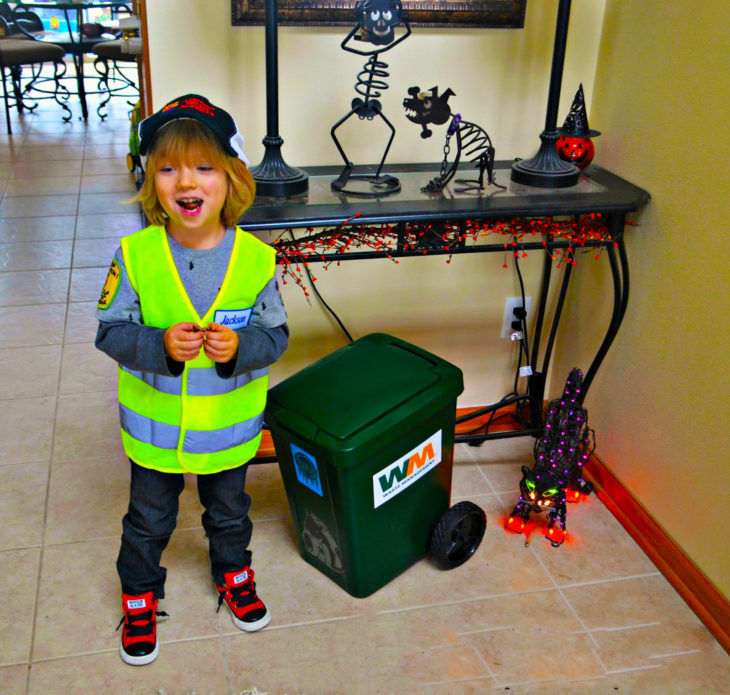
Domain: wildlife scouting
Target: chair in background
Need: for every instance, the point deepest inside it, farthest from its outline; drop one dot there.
(75, 44)
(114, 66)
(19, 50)
(18, 22)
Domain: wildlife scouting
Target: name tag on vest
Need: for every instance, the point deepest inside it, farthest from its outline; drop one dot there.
(233, 318)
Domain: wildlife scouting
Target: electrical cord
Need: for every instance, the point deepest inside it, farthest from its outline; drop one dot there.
(509, 399)
(514, 397)
(313, 285)
(524, 341)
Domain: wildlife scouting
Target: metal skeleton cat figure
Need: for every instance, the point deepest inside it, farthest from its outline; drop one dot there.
(471, 140)
(556, 478)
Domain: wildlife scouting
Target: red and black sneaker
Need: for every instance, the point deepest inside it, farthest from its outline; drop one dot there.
(139, 636)
(247, 610)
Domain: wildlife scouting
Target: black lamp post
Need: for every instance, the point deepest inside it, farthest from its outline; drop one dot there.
(274, 177)
(546, 169)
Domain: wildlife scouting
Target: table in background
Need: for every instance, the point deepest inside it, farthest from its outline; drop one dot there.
(73, 41)
(599, 193)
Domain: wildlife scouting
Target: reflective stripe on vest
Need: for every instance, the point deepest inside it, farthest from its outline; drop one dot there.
(196, 422)
(201, 382)
(164, 436)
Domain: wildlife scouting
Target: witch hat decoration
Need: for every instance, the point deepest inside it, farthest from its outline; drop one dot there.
(576, 122)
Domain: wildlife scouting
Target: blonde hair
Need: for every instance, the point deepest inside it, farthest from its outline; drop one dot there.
(186, 141)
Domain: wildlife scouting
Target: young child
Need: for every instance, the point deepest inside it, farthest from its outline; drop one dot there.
(191, 312)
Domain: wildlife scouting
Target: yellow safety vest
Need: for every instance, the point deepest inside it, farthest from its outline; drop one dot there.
(196, 422)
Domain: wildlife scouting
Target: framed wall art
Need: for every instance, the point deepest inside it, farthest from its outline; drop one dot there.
(507, 14)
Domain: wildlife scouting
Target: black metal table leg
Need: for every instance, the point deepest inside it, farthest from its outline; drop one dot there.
(556, 317)
(536, 381)
(620, 276)
(536, 384)
(81, 87)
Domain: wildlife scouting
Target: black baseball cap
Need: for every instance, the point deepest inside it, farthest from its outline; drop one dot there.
(200, 109)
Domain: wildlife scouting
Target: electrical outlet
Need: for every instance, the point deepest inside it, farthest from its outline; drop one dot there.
(510, 304)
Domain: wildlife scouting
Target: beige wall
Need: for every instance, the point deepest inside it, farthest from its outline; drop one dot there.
(659, 96)
(658, 403)
(500, 78)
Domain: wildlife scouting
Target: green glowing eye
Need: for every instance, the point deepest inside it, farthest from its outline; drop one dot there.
(549, 493)
(530, 485)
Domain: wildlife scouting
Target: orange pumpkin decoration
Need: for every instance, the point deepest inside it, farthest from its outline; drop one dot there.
(578, 151)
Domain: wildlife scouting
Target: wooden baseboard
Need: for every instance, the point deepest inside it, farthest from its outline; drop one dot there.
(710, 606)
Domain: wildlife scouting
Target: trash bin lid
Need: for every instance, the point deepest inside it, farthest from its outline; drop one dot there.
(361, 383)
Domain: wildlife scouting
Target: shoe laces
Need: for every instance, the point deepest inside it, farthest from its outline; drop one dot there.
(140, 624)
(241, 595)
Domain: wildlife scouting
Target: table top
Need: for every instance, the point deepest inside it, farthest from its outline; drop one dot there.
(69, 40)
(72, 41)
(75, 4)
(597, 190)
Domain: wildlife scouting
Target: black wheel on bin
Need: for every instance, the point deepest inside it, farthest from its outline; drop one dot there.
(458, 534)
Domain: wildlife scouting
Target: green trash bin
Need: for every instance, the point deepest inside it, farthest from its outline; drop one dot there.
(365, 441)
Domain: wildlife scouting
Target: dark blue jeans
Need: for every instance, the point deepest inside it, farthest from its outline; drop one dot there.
(152, 515)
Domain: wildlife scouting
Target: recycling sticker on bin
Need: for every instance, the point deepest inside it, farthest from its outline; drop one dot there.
(306, 469)
(396, 477)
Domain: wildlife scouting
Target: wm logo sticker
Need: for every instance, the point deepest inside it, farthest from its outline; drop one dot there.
(392, 480)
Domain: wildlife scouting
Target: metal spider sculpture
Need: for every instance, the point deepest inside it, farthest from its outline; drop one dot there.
(471, 140)
(556, 478)
(376, 24)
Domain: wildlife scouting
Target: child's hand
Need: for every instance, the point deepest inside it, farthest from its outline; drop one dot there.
(183, 341)
(221, 343)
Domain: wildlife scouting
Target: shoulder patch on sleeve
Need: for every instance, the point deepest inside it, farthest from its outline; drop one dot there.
(111, 285)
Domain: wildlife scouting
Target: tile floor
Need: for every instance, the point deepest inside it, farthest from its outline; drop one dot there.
(594, 616)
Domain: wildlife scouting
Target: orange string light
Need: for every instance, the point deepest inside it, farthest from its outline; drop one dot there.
(418, 238)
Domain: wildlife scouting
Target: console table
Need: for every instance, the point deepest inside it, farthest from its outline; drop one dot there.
(412, 223)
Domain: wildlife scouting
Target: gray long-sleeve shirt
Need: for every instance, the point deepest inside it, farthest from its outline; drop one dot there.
(123, 336)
